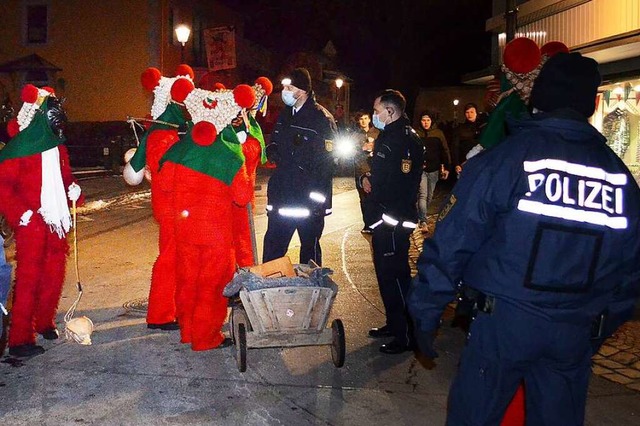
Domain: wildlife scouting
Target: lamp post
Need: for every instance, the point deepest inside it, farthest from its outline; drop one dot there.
(455, 112)
(182, 34)
(339, 83)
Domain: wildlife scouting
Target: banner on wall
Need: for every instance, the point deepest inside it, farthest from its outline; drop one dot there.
(220, 45)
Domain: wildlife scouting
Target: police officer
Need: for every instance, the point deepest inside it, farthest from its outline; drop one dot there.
(545, 228)
(299, 191)
(392, 187)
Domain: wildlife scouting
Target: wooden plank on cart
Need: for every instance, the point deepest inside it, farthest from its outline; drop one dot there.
(289, 339)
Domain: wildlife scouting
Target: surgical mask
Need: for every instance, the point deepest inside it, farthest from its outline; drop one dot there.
(288, 98)
(377, 123)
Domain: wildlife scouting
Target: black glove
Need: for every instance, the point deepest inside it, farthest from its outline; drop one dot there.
(425, 343)
(272, 153)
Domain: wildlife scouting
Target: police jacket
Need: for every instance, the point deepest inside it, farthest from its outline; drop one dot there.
(396, 169)
(547, 221)
(302, 146)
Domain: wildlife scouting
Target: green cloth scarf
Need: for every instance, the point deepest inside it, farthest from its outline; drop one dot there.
(220, 160)
(173, 115)
(36, 138)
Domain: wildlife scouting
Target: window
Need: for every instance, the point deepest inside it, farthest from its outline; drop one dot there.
(36, 23)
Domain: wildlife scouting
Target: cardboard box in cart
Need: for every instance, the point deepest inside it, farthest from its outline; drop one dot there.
(276, 268)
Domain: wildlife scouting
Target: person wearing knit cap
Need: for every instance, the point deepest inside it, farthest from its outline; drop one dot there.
(544, 227)
(299, 190)
(36, 191)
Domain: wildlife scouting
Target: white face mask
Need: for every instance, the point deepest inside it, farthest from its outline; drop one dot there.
(288, 98)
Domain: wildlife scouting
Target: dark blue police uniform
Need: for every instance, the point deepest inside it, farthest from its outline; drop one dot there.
(395, 174)
(545, 226)
(300, 188)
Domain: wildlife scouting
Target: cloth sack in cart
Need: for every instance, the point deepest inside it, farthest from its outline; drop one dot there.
(307, 276)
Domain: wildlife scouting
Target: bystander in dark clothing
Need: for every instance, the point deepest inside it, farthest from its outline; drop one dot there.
(366, 136)
(436, 163)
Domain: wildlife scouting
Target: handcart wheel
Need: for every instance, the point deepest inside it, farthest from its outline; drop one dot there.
(241, 348)
(238, 316)
(338, 345)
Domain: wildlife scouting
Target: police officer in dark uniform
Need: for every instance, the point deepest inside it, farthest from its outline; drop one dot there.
(392, 187)
(545, 229)
(300, 188)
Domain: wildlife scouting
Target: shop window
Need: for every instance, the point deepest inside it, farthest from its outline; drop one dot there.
(37, 25)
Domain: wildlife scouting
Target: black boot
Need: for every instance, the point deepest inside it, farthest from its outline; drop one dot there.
(167, 326)
(24, 351)
(51, 334)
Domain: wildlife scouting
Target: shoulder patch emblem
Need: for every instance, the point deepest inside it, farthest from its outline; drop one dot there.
(447, 208)
(406, 165)
(328, 145)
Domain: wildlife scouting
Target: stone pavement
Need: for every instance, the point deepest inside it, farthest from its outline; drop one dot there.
(618, 360)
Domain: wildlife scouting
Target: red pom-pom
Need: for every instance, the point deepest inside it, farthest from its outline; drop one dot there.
(181, 89)
(50, 90)
(204, 133)
(29, 93)
(150, 78)
(553, 47)
(521, 55)
(244, 95)
(218, 86)
(266, 84)
(184, 69)
(13, 127)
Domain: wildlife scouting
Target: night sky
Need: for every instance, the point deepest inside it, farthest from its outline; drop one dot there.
(400, 44)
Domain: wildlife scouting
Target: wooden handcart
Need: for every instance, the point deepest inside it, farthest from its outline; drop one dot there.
(286, 317)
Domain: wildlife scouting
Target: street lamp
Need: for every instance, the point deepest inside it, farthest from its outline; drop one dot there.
(182, 34)
(455, 112)
(339, 83)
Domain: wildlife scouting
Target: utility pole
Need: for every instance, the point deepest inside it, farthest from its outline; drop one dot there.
(511, 19)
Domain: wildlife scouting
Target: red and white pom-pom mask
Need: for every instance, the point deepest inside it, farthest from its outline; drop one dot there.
(162, 95)
(218, 108)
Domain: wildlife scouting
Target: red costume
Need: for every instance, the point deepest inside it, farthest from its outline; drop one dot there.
(41, 245)
(241, 227)
(161, 136)
(209, 176)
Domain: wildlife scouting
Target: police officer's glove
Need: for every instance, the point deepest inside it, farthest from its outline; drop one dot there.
(425, 340)
(272, 153)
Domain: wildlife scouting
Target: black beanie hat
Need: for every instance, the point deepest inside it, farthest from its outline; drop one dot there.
(301, 79)
(567, 80)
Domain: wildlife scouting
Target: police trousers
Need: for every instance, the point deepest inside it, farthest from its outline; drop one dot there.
(280, 230)
(391, 262)
(510, 345)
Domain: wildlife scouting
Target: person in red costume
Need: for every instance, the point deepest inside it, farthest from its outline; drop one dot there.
(36, 189)
(209, 176)
(167, 118)
(250, 136)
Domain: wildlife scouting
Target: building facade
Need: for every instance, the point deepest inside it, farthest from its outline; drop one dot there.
(605, 30)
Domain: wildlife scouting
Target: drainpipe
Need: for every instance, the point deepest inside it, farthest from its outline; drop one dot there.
(511, 19)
